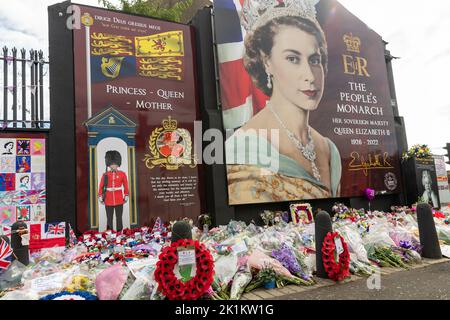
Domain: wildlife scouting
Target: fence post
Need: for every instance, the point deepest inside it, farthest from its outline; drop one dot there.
(41, 88)
(32, 88)
(5, 84)
(14, 106)
(24, 88)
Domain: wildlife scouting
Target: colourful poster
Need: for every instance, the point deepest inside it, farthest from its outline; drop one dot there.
(7, 147)
(23, 164)
(23, 213)
(23, 147)
(37, 147)
(7, 215)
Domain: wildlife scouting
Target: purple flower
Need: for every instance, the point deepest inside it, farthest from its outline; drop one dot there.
(405, 245)
(287, 258)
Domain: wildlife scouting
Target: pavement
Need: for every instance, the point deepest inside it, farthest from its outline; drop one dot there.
(429, 280)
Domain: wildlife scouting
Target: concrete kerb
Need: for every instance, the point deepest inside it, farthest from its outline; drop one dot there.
(267, 294)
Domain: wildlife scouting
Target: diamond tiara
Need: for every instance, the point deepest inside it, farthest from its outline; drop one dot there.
(256, 13)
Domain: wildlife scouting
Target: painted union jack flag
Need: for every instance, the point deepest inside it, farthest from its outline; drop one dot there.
(5, 255)
(241, 99)
(55, 229)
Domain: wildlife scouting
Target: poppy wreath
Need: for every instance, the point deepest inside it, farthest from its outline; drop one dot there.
(170, 285)
(339, 270)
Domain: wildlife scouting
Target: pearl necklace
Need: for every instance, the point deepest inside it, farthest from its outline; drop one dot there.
(308, 151)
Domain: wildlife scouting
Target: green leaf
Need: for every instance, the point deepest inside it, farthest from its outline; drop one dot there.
(152, 8)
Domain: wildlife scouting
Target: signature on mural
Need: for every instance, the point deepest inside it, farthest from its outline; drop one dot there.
(371, 161)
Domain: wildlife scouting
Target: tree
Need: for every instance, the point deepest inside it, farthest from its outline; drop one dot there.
(151, 8)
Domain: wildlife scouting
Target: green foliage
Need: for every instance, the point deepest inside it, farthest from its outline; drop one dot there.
(267, 274)
(150, 8)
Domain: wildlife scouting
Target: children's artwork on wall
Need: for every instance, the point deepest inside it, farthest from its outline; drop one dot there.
(33, 197)
(7, 198)
(7, 215)
(23, 213)
(301, 213)
(23, 164)
(23, 147)
(37, 181)
(37, 147)
(7, 181)
(37, 164)
(7, 147)
(37, 213)
(7, 164)
(22, 179)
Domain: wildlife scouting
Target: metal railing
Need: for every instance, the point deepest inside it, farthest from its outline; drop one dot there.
(25, 93)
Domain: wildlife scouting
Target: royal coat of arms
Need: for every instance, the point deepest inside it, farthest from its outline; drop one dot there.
(170, 147)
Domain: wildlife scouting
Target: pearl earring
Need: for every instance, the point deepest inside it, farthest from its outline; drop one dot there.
(269, 81)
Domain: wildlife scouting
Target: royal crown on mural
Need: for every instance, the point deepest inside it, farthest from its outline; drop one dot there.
(353, 43)
(170, 124)
(256, 13)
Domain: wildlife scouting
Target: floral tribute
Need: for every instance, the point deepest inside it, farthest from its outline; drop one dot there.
(172, 287)
(336, 266)
(418, 151)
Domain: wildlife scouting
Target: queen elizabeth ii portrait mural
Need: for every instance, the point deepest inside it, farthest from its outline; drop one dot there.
(286, 97)
(286, 57)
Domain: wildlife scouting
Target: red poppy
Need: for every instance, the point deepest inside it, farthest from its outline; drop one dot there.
(172, 257)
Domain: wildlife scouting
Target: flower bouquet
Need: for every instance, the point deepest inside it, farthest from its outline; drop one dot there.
(354, 241)
(240, 281)
(235, 227)
(419, 151)
(219, 234)
(219, 290)
(409, 252)
(360, 268)
(386, 257)
(258, 260)
(443, 232)
(265, 276)
(286, 256)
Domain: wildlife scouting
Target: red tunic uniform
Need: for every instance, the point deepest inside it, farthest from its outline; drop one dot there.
(114, 195)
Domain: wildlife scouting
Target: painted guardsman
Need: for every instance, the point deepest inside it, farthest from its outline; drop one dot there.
(110, 190)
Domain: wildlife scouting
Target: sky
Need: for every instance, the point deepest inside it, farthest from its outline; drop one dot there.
(416, 30)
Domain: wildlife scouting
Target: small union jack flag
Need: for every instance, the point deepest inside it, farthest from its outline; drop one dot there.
(157, 227)
(56, 229)
(5, 255)
(72, 236)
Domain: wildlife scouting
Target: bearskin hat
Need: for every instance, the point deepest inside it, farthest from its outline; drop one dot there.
(113, 157)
